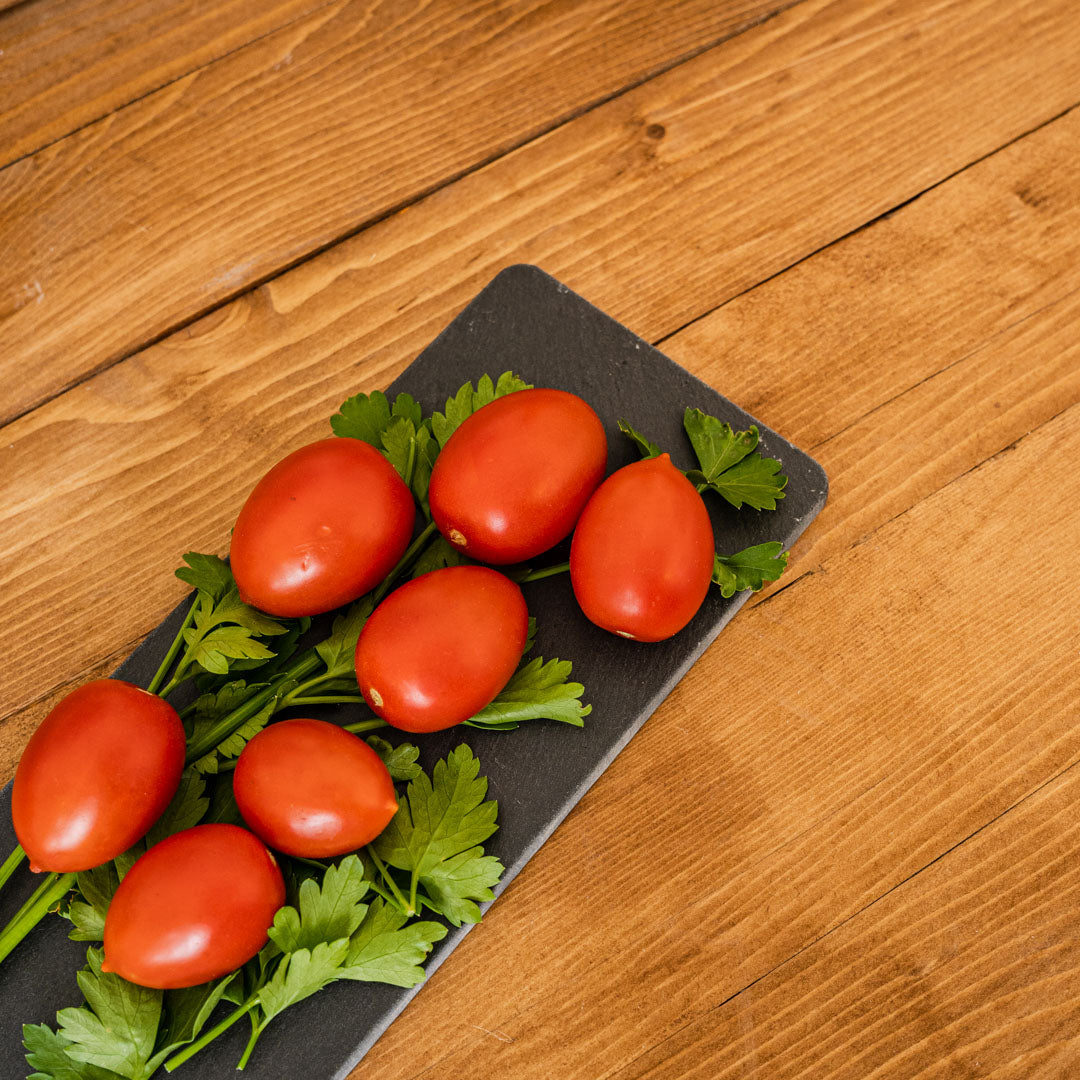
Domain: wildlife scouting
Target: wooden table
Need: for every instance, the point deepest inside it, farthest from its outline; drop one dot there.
(846, 846)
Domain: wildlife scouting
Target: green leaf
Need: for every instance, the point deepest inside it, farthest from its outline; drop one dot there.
(338, 651)
(441, 816)
(186, 1013)
(187, 808)
(730, 465)
(301, 974)
(231, 609)
(452, 887)
(427, 450)
(118, 1028)
(207, 573)
(439, 554)
(755, 481)
(212, 649)
(536, 691)
(400, 761)
(399, 446)
(749, 568)
(646, 448)
(88, 915)
(530, 637)
(467, 400)
(326, 912)
(46, 1053)
(385, 950)
(363, 416)
(716, 445)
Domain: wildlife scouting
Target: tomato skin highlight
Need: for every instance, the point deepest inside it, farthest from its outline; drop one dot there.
(321, 528)
(193, 908)
(312, 789)
(97, 773)
(513, 478)
(642, 556)
(438, 649)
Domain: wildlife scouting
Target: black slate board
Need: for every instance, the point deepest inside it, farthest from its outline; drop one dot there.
(527, 322)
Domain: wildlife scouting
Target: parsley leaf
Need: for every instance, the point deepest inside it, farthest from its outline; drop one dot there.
(118, 1028)
(325, 912)
(730, 465)
(46, 1053)
(186, 1013)
(438, 554)
(88, 914)
(646, 448)
(208, 574)
(749, 568)
(301, 974)
(385, 950)
(467, 400)
(536, 691)
(400, 761)
(338, 651)
(367, 416)
(442, 816)
(453, 885)
(427, 450)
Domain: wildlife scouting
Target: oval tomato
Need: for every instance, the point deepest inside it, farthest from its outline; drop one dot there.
(97, 773)
(512, 480)
(310, 788)
(642, 556)
(438, 649)
(193, 908)
(322, 527)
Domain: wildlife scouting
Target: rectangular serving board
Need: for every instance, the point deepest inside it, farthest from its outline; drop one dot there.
(527, 322)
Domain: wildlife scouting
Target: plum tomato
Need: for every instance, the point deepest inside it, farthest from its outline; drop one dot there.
(642, 556)
(438, 649)
(194, 907)
(97, 773)
(322, 527)
(312, 789)
(512, 480)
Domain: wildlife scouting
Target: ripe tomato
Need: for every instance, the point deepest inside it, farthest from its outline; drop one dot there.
(513, 478)
(642, 556)
(97, 773)
(192, 908)
(310, 788)
(438, 649)
(322, 527)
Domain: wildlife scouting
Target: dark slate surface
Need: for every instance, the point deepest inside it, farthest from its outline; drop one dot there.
(527, 322)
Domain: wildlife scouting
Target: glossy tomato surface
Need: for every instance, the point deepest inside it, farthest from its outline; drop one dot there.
(438, 649)
(322, 527)
(310, 788)
(192, 908)
(642, 556)
(97, 773)
(512, 480)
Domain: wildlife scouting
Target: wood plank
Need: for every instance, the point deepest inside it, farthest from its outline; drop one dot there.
(188, 196)
(922, 688)
(970, 969)
(67, 63)
(163, 447)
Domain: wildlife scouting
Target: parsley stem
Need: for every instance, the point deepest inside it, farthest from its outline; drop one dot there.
(406, 560)
(365, 725)
(256, 1031)
(11, 863)
(548, 571)
(174, 648)
(205, 1040)
(48, 893)
(406, 907)
(327, 699)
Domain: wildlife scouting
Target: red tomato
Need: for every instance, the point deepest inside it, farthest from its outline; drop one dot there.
(322, 527)
(642, 556)
(97, 773)
(438, 649)
(310, 788)
(193, 908)
(512, 480)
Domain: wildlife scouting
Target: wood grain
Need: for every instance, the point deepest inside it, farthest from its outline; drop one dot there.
(67, 63)
(162, 447)
(911, 705)
(969, 969)
(165, 208)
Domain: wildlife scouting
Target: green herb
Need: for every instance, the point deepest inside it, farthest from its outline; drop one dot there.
(536, 691)
(437, 556)
(46, 1053)
(441, 817)
(338, 651)
(400, 761)
(749, 568)
(368, 416)
(467, 400)
(646, 448)
(730, 465)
